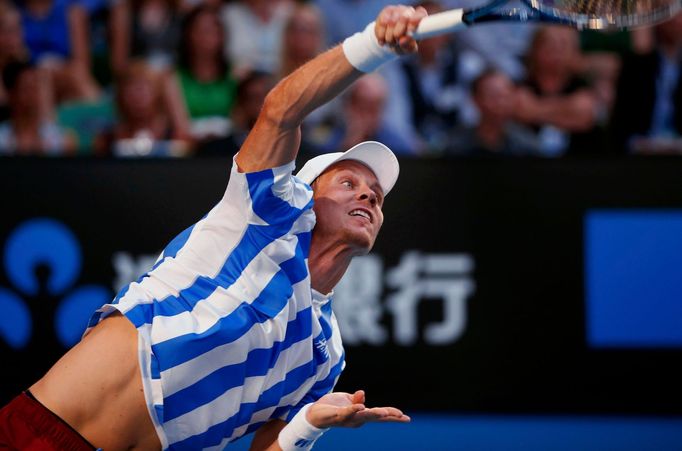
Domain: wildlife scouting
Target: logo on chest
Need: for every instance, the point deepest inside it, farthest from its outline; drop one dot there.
(321, 347)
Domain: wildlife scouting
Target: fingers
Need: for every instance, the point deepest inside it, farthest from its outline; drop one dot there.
(402, 419)
(353, 409)
(382, 23)
(358, 397)
(407, 42)
(400, 28)
(381, 414)
(415, 18)
(385, 24)
(394, 27)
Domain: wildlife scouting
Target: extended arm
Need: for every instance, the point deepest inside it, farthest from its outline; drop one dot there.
(275, 138)
(332, 410)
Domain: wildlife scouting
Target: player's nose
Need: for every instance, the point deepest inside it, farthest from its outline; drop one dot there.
(367, 194)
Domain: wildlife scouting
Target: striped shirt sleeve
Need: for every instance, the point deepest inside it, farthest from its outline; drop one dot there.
(266, 197)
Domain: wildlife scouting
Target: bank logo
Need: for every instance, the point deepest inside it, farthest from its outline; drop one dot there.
(48, 245)
(361, 301)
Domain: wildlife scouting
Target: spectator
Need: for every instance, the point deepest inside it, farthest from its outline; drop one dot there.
(501, 45)
(251, 93)
(98, 13)
(56, 34)
(255, 29)
(621, 42)
(303, 38)
(555, 99)
(11, 48)
(144, 126)
(207, 85)
(647, 116)
(362, 120)
(497, 133)
(28, 131)
(430, 89)
(342, 18)
(147, 30)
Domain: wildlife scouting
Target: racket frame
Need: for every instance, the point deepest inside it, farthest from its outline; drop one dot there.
(537, 11)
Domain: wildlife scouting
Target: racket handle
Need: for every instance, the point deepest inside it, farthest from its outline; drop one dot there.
(439, 23)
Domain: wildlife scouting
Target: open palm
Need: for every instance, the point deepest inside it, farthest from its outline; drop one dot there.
(348, 410)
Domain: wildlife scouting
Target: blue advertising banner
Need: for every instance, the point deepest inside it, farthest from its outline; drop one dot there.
(633, 278)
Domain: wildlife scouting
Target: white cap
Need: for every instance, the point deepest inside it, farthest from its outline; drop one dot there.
(376, 156)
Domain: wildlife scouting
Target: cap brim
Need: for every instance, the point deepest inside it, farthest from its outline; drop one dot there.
(376, 156)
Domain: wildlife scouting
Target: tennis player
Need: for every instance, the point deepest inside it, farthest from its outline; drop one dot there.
(232, 330)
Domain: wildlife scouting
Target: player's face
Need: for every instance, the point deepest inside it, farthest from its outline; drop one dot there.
(348, 202)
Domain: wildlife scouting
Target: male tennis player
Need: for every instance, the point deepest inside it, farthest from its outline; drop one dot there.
(232, 330)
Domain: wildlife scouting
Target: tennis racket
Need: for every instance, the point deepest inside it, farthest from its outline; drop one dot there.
(581, 14)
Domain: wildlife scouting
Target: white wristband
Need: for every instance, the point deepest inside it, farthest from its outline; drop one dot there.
(364, 52)
(299, 435)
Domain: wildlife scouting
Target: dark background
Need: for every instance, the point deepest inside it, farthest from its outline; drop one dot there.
(524, 348)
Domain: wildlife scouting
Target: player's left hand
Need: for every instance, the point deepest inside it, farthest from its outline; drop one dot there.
(348, 410)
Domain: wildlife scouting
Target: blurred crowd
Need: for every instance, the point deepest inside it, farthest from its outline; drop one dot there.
(188, 78)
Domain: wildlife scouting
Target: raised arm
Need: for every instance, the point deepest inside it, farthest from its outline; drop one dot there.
(275, 138)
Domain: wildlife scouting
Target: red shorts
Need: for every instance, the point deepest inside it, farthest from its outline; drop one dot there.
(26, 424)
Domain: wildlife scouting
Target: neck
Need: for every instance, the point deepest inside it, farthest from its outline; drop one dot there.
(328, 263)
(204, 68)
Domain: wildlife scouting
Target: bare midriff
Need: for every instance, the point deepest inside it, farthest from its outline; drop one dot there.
(97, 389)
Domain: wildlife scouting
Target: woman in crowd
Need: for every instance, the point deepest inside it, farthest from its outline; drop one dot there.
(144, 126)
(28, 131)
(251, 92)
(56, 34)
(204, 76)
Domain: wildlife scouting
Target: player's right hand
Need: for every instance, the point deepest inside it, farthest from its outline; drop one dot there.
(348, 410)
(394, 27)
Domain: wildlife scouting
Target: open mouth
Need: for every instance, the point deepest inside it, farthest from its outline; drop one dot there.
(362, 213)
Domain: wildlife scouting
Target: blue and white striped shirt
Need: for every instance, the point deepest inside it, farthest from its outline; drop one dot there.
(231, 333)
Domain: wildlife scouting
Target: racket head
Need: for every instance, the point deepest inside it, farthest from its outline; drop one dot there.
(606, 14)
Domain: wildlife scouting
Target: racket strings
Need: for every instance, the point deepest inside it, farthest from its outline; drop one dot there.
(638, 10)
